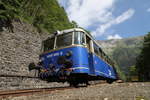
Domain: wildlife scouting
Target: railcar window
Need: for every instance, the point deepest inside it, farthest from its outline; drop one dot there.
(101, 52)
(79, 38)
(49, 44)
(107, 60)
(96, 49)
(88, 42)
(64, 40)
(105, 57)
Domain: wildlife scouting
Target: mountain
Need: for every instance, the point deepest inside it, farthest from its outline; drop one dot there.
(123, 51)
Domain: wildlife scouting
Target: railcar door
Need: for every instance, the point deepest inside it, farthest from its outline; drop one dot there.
(89, 44)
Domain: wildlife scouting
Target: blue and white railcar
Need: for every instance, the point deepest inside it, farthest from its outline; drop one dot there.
(74, 56)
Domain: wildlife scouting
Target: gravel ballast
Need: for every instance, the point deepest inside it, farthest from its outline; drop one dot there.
(115, 91)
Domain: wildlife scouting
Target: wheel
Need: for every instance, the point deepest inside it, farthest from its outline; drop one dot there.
(110, 81)
(74, 84)
(87, 83)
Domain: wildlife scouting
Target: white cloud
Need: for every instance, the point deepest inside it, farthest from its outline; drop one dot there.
(88, 12)
(97, 13)
(123, 17)
(116, 36)
(148, 10)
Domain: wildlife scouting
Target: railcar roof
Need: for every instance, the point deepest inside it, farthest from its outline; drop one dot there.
(66, 31)
(71, 30)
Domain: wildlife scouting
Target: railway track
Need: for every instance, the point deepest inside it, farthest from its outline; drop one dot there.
(17, 76)
(26, 92)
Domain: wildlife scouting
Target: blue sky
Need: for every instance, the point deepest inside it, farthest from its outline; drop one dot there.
(110, 19)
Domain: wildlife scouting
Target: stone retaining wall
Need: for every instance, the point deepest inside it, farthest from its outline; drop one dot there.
(17, 50)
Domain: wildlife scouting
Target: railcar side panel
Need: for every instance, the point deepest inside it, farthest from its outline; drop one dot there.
(79, 58)
(102, 68)
(83, 62)
(91, 64)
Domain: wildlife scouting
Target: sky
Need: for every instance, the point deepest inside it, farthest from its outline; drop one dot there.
(110, 19)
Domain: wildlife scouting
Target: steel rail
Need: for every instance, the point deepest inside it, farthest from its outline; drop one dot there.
(17, 76)
(25, 92)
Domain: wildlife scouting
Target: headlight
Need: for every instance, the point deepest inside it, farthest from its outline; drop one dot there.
(68, 54)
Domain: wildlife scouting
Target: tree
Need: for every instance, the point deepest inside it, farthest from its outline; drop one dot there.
(74, 24)
(45, 15)
(132, 74)
(143, 60)
(8, 10)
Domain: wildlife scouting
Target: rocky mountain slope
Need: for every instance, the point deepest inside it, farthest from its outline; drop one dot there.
(123, 51)
(110, 45)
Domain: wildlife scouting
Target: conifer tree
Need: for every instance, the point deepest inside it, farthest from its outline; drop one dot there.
(143, 60)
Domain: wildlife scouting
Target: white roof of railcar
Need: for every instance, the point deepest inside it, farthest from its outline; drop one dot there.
(71, 30)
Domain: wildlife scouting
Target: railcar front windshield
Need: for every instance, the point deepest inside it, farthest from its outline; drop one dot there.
(79, 38)
(64, 40)
(48, 44)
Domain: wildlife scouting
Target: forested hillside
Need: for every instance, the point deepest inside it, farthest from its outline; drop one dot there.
(46, 15)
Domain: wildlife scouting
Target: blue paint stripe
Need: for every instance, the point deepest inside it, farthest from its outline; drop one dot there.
(104, 74)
